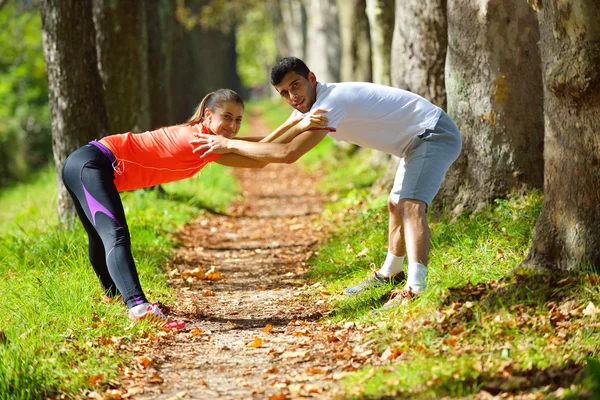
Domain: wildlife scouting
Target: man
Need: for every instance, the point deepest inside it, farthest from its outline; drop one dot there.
(379, 117)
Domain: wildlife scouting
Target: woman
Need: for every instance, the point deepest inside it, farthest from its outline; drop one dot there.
(96, 173)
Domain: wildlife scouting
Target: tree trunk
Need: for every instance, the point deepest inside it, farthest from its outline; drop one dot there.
(493, 84)
(567, 233)
(158, 84)
(122, 59)
(323, 51)
(356, 41)
(419, 49)
(418, 55)
(381, 23)
(75, 87)
(289, 20)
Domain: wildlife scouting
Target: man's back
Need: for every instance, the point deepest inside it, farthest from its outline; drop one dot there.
(375, 116)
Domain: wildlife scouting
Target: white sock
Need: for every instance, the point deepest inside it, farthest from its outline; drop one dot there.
(417, 275)
(391, 266)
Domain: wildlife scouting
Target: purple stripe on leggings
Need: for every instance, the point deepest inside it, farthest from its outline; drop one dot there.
(95, 206)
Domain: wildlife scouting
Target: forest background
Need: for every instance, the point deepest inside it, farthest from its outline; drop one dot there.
(521, 79)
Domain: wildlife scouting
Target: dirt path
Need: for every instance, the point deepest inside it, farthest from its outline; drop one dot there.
(251, 333)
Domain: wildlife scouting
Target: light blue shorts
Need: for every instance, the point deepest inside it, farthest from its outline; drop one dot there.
(426, 161)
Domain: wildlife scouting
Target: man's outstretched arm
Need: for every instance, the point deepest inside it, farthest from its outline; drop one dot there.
(286, 153)
(292, 127)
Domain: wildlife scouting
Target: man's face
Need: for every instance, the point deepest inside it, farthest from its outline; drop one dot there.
(298, 92)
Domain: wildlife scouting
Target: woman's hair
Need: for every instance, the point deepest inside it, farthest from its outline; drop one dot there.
(215, 99)
(285, 65)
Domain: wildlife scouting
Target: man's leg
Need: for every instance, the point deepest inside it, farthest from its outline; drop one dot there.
(417, 241)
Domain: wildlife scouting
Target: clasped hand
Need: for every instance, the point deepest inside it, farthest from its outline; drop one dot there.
(313, 120)
(217, 144)
(209, 143)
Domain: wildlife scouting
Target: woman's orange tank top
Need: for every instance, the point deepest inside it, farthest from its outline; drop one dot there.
(155, 157)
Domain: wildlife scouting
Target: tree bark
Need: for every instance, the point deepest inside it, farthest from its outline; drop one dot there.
(289, 20)
(418, 55)
(493, 84)
(323, 51)
(75, 87)
(419, 47)
(158, 85)
(381, 23)
(567, 233)
(121, 44)
(355, 41)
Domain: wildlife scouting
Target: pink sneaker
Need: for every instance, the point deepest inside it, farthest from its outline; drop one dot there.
(156, 316)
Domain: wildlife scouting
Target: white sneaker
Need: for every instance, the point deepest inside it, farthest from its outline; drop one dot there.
(155, 314)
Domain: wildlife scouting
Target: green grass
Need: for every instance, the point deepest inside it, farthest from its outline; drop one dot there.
(58, 329)
(480, 314)
(483, 324)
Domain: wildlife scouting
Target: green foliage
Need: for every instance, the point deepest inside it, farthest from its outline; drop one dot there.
(256, 48)
(59, 331)
(25, 133)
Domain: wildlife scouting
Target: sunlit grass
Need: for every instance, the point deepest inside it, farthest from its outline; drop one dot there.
(483, 248)
(52, 311)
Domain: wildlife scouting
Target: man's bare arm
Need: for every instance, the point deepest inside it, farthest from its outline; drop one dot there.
(266, 152)
(235, 160)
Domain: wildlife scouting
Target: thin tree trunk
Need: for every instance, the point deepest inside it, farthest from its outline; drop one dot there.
(493, 84)
(289, 20)
(323, 51)
(419, 49)
(381, 23)
(567, 233)
(418, 55)
(75, 87)
(123, 63)
(158, 88)
(355, 41)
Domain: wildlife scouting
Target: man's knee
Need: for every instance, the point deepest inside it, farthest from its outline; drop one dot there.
(392, 206)
(410, 208)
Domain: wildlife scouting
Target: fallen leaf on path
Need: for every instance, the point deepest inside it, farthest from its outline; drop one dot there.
(197, 272)
(256, 343)
(95, 379)
(144, 361)
(155, 378)
(268, 328)
(197, 331)
(207, 293)
(213, 274)
(591, 310)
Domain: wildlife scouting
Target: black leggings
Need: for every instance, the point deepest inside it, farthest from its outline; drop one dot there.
(88, 175)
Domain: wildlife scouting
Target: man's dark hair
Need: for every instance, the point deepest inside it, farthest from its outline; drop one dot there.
(286, 65)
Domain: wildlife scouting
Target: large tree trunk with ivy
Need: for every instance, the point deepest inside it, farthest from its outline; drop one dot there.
(493, 84)
(122, 58)
(418, 55)
(567, 233)
(75, 87)
(323, 51)
(355, 41)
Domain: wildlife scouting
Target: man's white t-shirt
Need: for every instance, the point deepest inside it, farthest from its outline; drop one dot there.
(375, 116)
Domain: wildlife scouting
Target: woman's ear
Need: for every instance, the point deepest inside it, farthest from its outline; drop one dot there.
(207, 114)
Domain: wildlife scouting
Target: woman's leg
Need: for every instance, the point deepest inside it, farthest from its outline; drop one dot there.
(96, 251)
(88, 175)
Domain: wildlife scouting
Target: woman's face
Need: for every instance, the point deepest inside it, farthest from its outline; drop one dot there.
(225, 120)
